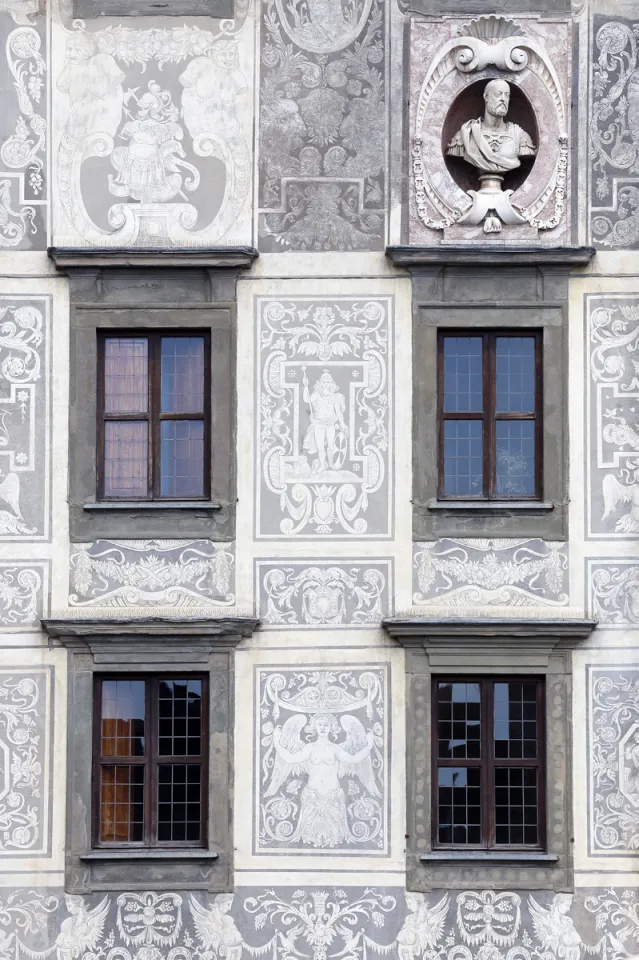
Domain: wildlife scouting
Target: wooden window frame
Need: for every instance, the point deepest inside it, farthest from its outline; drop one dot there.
(153, 416)
(488, 762)
(489, 415)
(151, 762)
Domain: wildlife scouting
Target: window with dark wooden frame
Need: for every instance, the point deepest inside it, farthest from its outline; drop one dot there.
(150, 766)
(154, 416)
(488, 763)
(490, 415)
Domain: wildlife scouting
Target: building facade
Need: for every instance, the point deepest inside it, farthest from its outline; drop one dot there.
(319, 502)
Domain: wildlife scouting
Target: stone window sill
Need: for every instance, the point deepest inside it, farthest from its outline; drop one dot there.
(490, 506)
(486, 856)
(104, 505)
(145, 854)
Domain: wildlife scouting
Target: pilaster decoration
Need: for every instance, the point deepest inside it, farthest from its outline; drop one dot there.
(521, 646)
(490, 130)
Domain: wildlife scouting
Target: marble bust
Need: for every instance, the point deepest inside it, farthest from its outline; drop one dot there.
(492, 144)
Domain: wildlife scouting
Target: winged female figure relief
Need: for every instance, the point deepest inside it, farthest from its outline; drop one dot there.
(323, 820)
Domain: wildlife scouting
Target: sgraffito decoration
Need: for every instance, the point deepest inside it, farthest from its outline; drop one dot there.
(154, 149)
(303, 594)
(23, 128)
(323, 760)
(24, 594)
(322, 923)
(24, 767)
(613, 732)
(612, 585)
(322, 125)
(25, 385)
(612, 439)
(157, 573)
(325, 396)
(494, 572)
(614, 134)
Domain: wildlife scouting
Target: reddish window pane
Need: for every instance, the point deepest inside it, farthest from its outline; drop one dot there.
(126, 453)
(126, 375)
(122, 804)
(122, 718)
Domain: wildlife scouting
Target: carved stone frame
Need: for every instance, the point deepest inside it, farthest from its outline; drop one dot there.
(489, 647)
(149, 646)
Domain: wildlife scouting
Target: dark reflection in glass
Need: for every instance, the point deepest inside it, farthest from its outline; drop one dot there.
(516, 730)
(179, 802)
(459, 805)
(516, 806)
(180, 718)
(459, 721)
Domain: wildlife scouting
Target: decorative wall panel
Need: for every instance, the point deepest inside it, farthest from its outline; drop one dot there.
(26, 736)
(23, 127)
(322, 760)
(319, 922)
(613, 761)
(303, 594)
(155, 148)
(612, 440)
(504, 573)
(323, 127)
(158, 573)
(25, 426)
(324, 446)
(614, 134)
(24, 594)
(612, 587)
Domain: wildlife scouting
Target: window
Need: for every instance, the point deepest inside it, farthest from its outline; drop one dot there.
(488, 763)
(490, 422)
(150, 761)
(154, 416)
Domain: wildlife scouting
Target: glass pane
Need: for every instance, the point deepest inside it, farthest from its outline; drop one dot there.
(516, 806)
(516, 721)
(122, 804)
(463, 458)
(463, 375)
(122, 729)
(182, 465)
(515, 450)
(459, 721)
(126, 453)
(180, 718)
(515, 369)
(182, 374)
(179, 800)
(459, 805)
(126, 375)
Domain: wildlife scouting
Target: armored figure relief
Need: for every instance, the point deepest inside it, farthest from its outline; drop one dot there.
(327, 430)
(492, 144)
(148, 167)
(323, 818)
(93, 82)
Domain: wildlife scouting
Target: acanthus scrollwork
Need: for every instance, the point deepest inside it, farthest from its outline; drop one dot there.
(171, 573)
(495, 572)
(311, 595)
(21, 773)
(614, 135)
(615, 761)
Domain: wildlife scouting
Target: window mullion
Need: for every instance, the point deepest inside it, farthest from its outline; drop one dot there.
(489, 371)
(148, 762)
(155, 374)
(486, 819)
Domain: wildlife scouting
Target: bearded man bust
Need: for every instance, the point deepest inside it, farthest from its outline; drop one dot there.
(492, 144)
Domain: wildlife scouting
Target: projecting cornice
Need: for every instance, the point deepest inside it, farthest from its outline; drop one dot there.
(210, 258)
(489, 256)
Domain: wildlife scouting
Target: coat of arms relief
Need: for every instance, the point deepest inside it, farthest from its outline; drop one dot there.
(322, 769)
(325, 389)
(153, 150)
